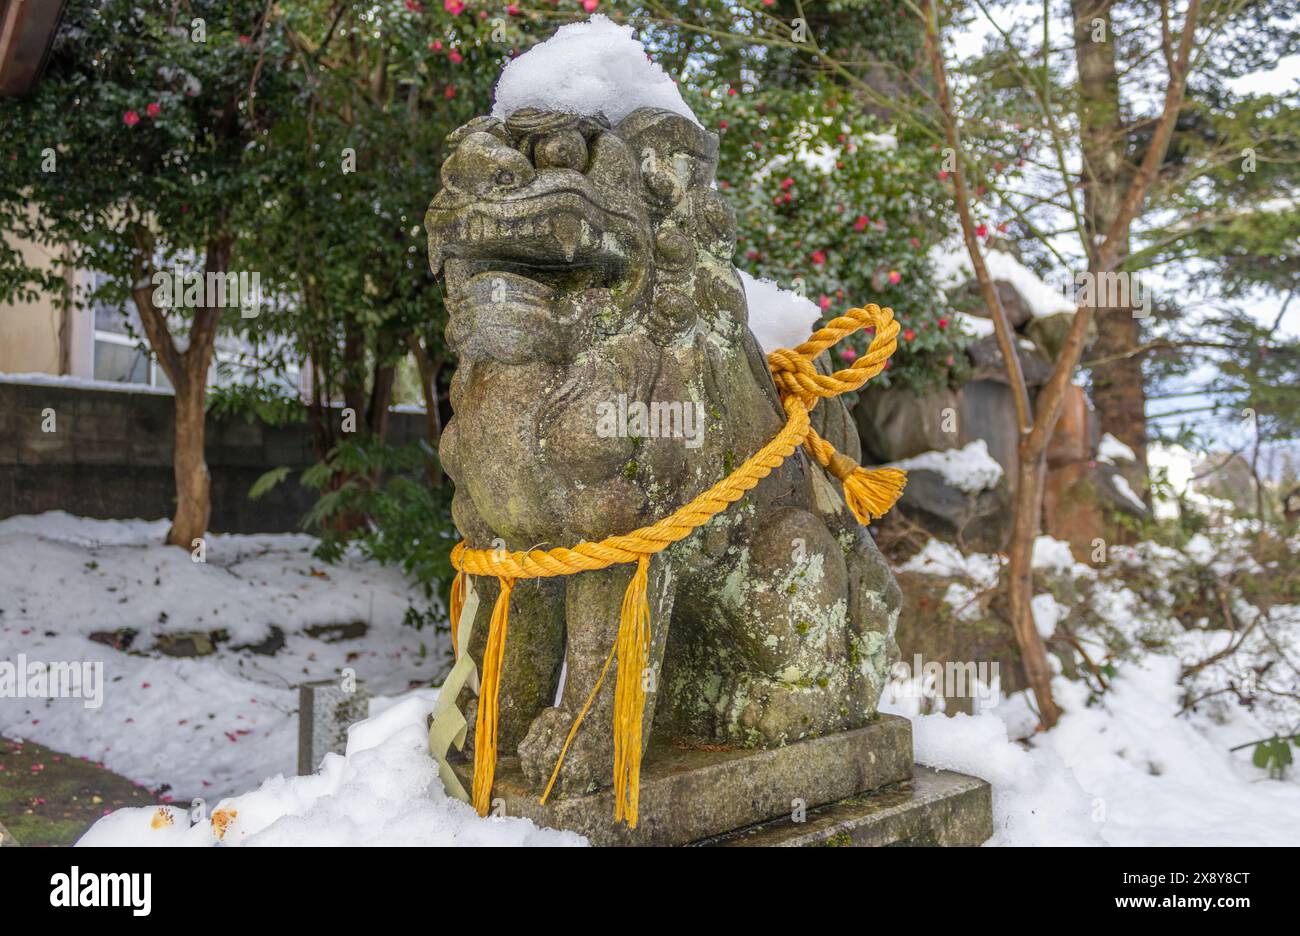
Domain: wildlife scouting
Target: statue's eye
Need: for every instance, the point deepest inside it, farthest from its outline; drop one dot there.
(565, 149)
(477, 125)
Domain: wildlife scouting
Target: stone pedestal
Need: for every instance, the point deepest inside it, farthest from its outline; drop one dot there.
(935, 807)
(690, 796)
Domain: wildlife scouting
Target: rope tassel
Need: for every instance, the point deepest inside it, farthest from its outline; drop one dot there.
(629, 693)
(871, 492)
(457, 606)
(485, 726)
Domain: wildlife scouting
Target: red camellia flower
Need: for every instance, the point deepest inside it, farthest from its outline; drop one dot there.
(909, 335)
(861, 223)
(590, 5)
(245, 40)
(824, 302)
(152, 109)
(130, 118)
(723, 125)
(915, 243)
(943, 323)
(731, 92)
(848, 354)
(982, 231)
(818, 257)
(894, 278)
(454, 7)
(450, 92)
(436, 45)
(943, 174)
(786, 183)
(415, 6)
(456, 57)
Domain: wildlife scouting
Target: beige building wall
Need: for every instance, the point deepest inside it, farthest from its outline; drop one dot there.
(43, 337)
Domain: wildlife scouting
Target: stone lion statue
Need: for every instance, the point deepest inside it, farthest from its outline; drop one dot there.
(606, 376)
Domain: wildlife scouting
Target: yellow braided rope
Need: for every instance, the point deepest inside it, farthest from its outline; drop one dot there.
(868, 492)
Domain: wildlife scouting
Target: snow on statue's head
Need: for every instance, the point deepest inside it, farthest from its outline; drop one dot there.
(587, 259)
(583, 206)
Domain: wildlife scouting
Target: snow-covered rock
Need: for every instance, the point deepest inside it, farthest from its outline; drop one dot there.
(951, 266)
(970, 468)
(1112, 449)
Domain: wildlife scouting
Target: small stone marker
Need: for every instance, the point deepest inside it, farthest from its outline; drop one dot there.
(325, 710)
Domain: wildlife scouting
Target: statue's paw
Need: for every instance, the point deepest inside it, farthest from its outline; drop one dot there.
(541, 747)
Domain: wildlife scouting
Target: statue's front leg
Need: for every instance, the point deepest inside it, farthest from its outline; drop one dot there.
(592, 612)
(533, 653)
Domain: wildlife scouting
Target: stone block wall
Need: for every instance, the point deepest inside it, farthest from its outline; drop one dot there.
(110, 456)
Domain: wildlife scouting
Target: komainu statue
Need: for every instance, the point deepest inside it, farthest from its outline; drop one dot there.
(607, 376)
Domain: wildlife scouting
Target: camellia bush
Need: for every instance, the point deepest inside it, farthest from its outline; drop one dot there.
(838, 207)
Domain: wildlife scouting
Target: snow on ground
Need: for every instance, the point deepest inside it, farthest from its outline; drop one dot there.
(591, 68)
(1179, 468)
(971, 468)
(1129, 767)
(940, 558)
(204, 726)
(778, 317)
(383, 791)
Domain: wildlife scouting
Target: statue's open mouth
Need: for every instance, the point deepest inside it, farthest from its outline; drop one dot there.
(557, 240)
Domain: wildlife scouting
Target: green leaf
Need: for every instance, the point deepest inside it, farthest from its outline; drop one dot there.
(317, 476)
(267, 481)
(1261, 755)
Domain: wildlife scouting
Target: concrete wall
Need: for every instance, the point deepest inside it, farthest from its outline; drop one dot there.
(111, 457)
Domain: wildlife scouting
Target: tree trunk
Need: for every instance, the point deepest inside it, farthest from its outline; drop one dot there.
(1031, 476)
(188, 372)
(1118, 391)
(193, 497)
(1032, 445)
